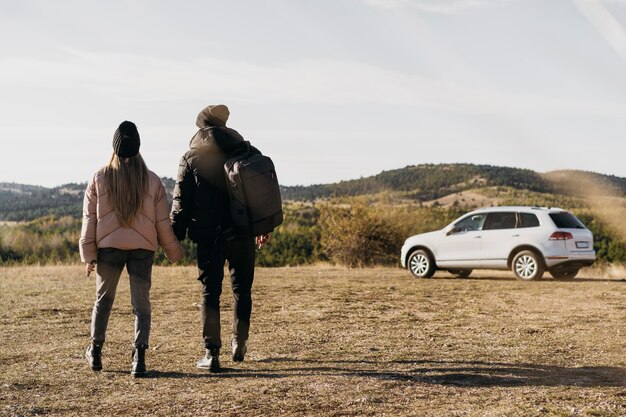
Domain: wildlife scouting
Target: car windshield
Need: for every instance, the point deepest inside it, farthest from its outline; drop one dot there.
(565, 220)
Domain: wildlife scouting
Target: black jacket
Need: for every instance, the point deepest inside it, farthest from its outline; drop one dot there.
(201, 205)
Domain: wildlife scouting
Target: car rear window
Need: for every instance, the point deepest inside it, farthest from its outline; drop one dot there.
(528, 220)
(565, 220)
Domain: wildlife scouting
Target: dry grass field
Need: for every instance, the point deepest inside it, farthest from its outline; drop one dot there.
(326, 341)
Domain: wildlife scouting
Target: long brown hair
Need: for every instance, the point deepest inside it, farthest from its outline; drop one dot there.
(126, 181)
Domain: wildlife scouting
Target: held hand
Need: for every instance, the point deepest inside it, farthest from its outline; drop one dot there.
(262, 240)
(89, 268)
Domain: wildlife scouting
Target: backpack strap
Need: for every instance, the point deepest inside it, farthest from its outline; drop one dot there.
(240, 149)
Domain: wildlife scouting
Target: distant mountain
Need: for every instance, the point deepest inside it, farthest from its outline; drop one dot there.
(19, 202)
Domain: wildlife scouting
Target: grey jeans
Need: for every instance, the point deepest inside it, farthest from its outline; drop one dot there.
(111, 263)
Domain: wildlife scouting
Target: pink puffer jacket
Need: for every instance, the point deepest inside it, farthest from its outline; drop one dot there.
(150, 228)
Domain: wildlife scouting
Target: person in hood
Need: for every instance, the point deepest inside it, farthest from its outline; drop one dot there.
(125, 220)
(201, 210)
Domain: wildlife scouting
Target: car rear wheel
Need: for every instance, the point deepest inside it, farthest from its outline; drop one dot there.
(568, 274)
(421, 264)
(461, 273)
(527, 265)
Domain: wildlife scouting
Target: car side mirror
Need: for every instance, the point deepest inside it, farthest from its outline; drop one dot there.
(453, 231)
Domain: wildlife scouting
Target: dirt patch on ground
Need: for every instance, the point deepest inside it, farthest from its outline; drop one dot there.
(464, 199)
(327, 342)
(9, 223)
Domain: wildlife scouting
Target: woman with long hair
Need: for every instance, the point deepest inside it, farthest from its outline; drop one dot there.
(125, 220)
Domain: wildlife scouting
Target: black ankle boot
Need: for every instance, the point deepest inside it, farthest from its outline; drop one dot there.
(239, 350)
(94, 356)
(211, 360)
(139, 363)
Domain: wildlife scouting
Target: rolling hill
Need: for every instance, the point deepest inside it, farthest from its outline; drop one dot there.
(424, 183)
(430, 182)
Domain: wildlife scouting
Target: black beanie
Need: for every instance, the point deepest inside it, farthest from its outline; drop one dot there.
(126, 140)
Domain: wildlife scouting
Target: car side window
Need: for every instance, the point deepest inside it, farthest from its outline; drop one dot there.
(474, 222)
(505, 220)
(528, 220)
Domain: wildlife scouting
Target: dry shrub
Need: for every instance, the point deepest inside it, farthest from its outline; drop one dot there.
(606, 271)
(359, 235)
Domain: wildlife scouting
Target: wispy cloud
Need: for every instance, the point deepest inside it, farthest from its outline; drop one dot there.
(615, 2)
(436, 6)
(605, 23)
(120, 77)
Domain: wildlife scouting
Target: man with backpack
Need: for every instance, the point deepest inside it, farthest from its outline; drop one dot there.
(202, 209)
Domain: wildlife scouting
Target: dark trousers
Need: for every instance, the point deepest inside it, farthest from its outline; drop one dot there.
(111, 263)
(240, 254)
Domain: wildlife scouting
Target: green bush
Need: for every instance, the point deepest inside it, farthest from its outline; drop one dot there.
(291, 245)
(351, 231)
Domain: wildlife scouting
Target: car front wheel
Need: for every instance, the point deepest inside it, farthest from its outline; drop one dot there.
(527, 266)
(421, 264)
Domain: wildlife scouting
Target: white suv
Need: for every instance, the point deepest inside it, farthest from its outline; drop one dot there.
(527, 240)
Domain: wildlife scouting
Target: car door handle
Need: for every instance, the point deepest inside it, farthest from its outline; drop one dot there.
(515, 235)
(477, 237)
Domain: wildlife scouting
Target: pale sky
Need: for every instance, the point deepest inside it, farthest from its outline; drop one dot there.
(330, 89)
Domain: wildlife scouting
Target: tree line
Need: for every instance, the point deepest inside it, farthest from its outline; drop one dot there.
(415, 183)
